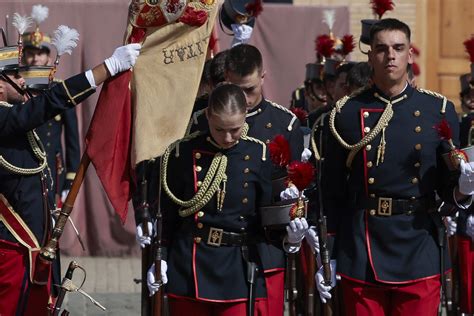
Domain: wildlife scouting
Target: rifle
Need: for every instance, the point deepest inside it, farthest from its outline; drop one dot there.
(322, 231)
(293, 290)
(310, 285)
(452, 278)
(158, 297)
(145, 301)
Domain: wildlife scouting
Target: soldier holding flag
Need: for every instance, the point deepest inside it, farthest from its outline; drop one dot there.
(24, 208)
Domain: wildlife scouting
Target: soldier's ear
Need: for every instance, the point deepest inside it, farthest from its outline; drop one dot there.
(410, 55)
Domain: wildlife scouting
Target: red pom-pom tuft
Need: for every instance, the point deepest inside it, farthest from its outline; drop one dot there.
(444, 130)
(301, 114)
(324, 45)
(280, 152)
(416, 69)
(255, 8)
(469, 44)
(193, 17)
(300, 174)
(348, 44)
(415, 50)
(379, 7)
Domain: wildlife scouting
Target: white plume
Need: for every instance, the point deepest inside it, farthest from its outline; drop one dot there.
(65, 39)
(39, 13)
(329, 17)
(21, 23)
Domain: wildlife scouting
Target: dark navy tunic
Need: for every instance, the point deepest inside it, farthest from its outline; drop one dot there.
(400, 248)
(24, 193)
(196, 269)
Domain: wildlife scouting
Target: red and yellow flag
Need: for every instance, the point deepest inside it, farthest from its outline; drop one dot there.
(141, 112)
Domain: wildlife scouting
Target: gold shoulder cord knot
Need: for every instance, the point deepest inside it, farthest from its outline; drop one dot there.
(369, 137)
(211, 184)
(245, 130)
(381, 146)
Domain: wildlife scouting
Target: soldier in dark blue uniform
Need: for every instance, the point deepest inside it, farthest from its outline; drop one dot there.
(62, 163)
(25, 212)
(383, 166)
(266, 119)
(464, 229)
(149, 169)
(214, 183)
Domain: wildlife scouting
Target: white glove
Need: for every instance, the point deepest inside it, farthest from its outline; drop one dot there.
(123, 58)
(312, 240)
(144, 240)
(470, 227)
(289, 193)
(153, 284)
(466, 179)
(306, 154)
(64, 194)
(242, 34)
(451, 225)
(324, 289)
(296, 230)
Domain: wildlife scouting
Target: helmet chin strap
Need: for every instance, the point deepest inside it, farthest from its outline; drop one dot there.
(313, 95)
(13, 84)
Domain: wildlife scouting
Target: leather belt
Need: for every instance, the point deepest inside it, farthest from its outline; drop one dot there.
(383, 206)
(218, 237)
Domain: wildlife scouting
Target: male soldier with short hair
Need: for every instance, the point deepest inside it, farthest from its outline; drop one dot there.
(383, 166)
(244, 67)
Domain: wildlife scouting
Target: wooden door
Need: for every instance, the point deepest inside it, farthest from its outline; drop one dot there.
(448, 24)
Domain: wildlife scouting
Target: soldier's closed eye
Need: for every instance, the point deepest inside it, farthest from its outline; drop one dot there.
(249, 90)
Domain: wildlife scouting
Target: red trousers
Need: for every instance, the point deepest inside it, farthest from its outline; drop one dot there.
(17, 294)
(272, 306)
(275, 283)
(420, 298)
(466, 274)
(184, 306)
